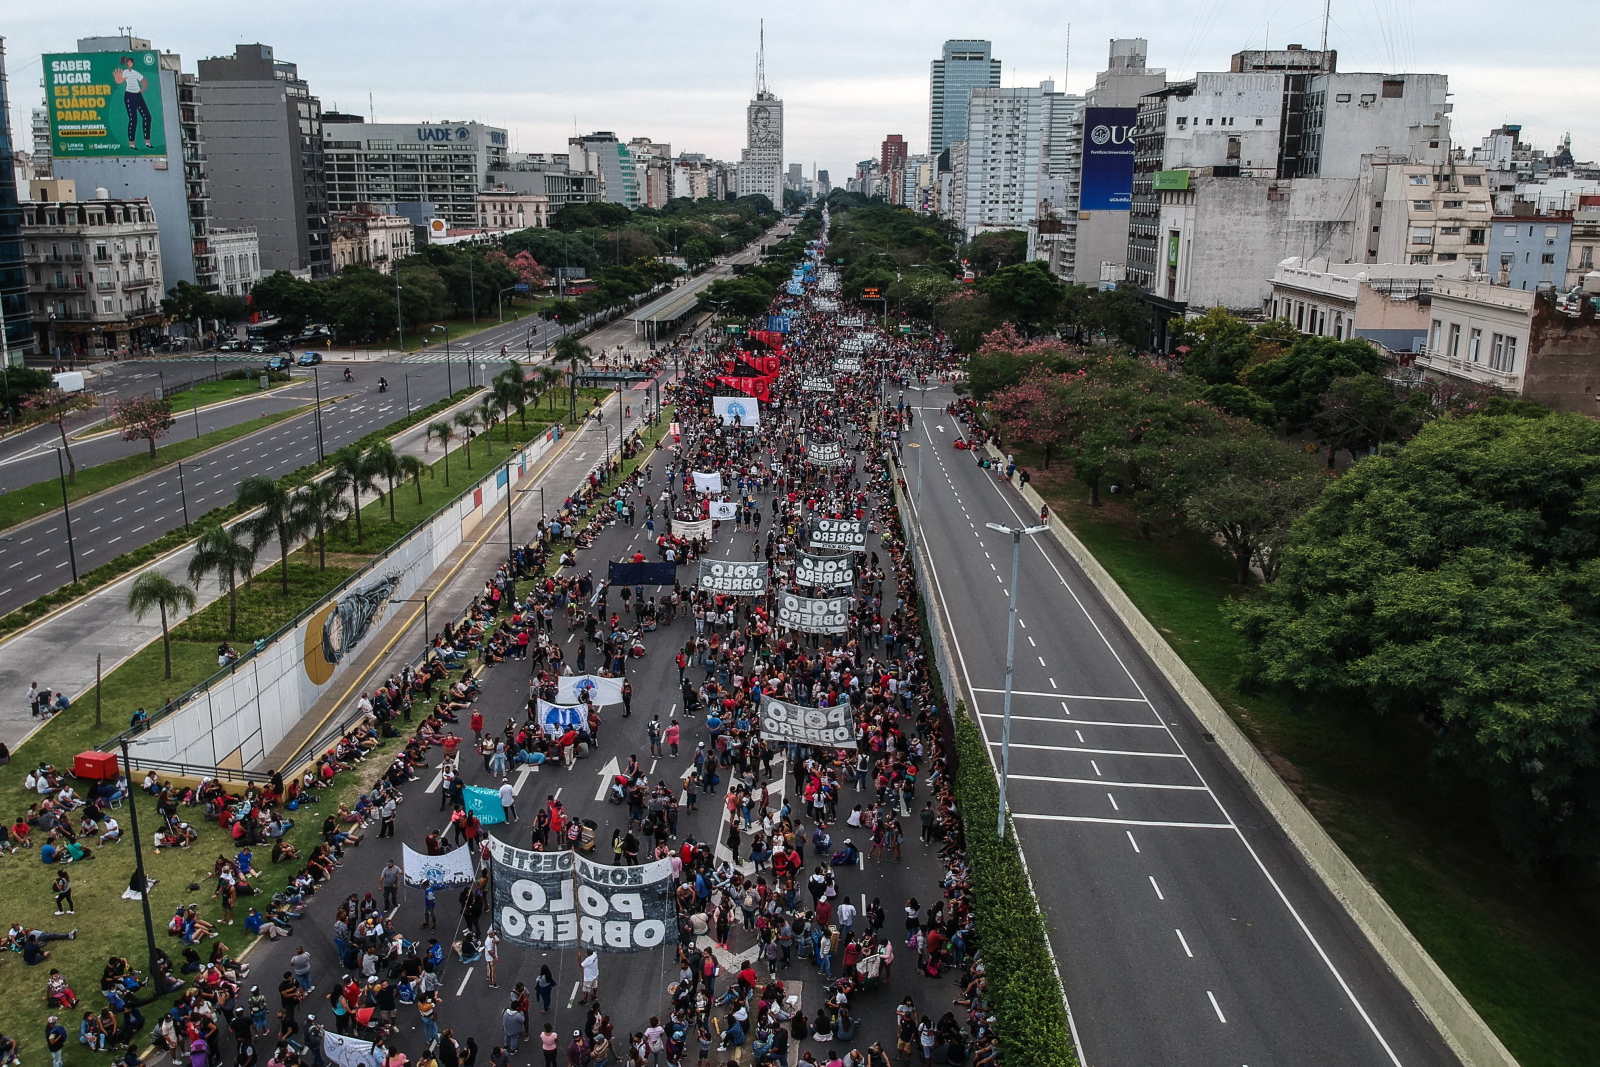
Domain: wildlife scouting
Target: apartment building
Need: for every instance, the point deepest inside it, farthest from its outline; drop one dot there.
(504, 209)
(446, 164)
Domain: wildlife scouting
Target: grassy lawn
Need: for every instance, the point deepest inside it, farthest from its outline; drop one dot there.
(263, 610)
(464, 327)
(1524, 948)
(38, 499)
(217, 392)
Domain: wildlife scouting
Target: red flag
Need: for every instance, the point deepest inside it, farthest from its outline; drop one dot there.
(756, 387)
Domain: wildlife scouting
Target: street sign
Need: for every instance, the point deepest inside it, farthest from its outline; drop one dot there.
(524, 288)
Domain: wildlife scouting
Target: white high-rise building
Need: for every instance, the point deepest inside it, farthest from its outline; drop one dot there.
(962, 67)
(1017, 149)
(761, 163)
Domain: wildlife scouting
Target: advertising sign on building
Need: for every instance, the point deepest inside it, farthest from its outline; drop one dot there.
(105, 104)
(1108, 158)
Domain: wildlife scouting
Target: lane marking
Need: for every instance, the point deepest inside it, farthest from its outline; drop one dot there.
(1132, 842)
(1224, 1019)
(462, 987)
(1096, 751)
(1159, 894)
(1102, 781)
(1113, 802)
(1124, 822)
(1075, 722)
(1182, 941)
(1060, 696)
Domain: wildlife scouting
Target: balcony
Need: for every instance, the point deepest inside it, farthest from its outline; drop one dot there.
(1465, 370)
(138, 283)
(106, 287)
(42, 257)
(62, 287)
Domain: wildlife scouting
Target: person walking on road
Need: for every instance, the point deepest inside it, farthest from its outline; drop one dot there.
(508, 800)
(550, 1042)
(389, 881)
(543, 987)
(491, 957)
(386, 814)
(591, 977)
(511, 1021)
(300, 964)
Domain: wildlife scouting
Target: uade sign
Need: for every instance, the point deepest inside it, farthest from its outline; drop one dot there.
(826, 727)
(839, 533)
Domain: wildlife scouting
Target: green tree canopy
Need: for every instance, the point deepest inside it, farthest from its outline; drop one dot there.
(1458, 578)
(1294, 383)
(1025, 293)
(1220, 346)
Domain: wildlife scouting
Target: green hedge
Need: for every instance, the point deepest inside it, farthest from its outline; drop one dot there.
(113, 569)
(1023, 989)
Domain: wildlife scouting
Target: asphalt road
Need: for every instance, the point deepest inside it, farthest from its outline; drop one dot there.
(1186, 926)
(36, 557)
(633, 986)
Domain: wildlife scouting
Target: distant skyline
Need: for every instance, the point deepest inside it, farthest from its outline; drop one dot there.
(684, 74)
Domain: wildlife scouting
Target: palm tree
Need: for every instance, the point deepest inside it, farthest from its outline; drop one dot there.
(468, 421)
(275, 518)
(413, 468)
(488, 416)
(152, 589)
(220, 551)
(445, 433)
(318, 506)
(571, 351)
(549, 378)
(383, 463)
(508, 394)
(354, 473)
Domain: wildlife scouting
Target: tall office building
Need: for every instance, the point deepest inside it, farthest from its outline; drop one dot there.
(263, 133)
(892, 153)
(439, 166)
(963, 67)
(162, 160)
(1014, 146)
(41, 142)
(18, 337)
(601, 154)
(761, 162)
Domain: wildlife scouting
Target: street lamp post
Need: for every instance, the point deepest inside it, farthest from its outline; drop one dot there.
(427, 631)
(184, 497)
(399, 322)
(66, 513)
(408, 394)
(316, 381)
(449, 383)
(500, 300)
(917, 497)
(1016, 533)
(138, 851)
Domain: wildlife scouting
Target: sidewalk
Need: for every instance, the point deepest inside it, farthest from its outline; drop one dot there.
(60, 651)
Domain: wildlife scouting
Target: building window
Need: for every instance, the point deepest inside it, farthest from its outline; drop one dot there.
(1423, 258)
(1419, 179)
(1422, 205)
(1455, 341)
(1509, 231)
(1548, 257)
(1474, 343)
(1497, 351)
(1472, 179)
(1421, 235)
(1447, 257)
(1453, 204)
(1341, 98)
(1586, 257)
(1393, 89)
(1475, 237)
(1433, 336)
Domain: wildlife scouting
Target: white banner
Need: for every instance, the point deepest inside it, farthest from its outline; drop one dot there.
(847, 365)
(825, 571)
(689, 531)
(349, 1051)
(741, 411)
(555, 718)
(817, 384)
(839, 533)
(556, 899)
(825, 453)
(810, 616)
(827, 727)
(723, 509)
(733, 579)
(452, 868)
(601, 690)
(707, 483)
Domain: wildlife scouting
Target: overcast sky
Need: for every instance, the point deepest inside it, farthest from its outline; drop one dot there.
(848, 72)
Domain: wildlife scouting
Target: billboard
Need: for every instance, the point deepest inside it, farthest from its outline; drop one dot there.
(1108, 158)
(1170, 181)
(105, 104)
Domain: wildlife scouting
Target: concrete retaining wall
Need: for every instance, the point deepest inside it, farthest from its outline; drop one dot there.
(1460, 1025)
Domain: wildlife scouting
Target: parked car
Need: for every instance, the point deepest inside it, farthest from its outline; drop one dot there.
(309, 359)
(279, 363)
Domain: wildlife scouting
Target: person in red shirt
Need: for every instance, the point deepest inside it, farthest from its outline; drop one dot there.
(476, 722)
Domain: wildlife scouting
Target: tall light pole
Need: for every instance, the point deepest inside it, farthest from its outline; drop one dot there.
(66, 514)
(408, 394)
(449, 384)
(1016, 533)
(138, 849)
(399, 323)
(316, 381)
(917, 497)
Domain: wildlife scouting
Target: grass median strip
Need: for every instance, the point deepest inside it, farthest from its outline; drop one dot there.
(41, 498)
(1521, 945)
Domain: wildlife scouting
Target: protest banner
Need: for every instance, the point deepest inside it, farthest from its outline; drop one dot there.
(344, 1051)
(554, 719)
(485, 804)
(707, 483)
(807, 615)
(600, 690)
(625, 909)
(825, 453)
(838, 533)
(817, 384)
(722, 509)
(535, 896)
(740, 410)
(642, 573)
(452, 868)
(733, 579)
(827, 571)
(691, 531)
(825, 727)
